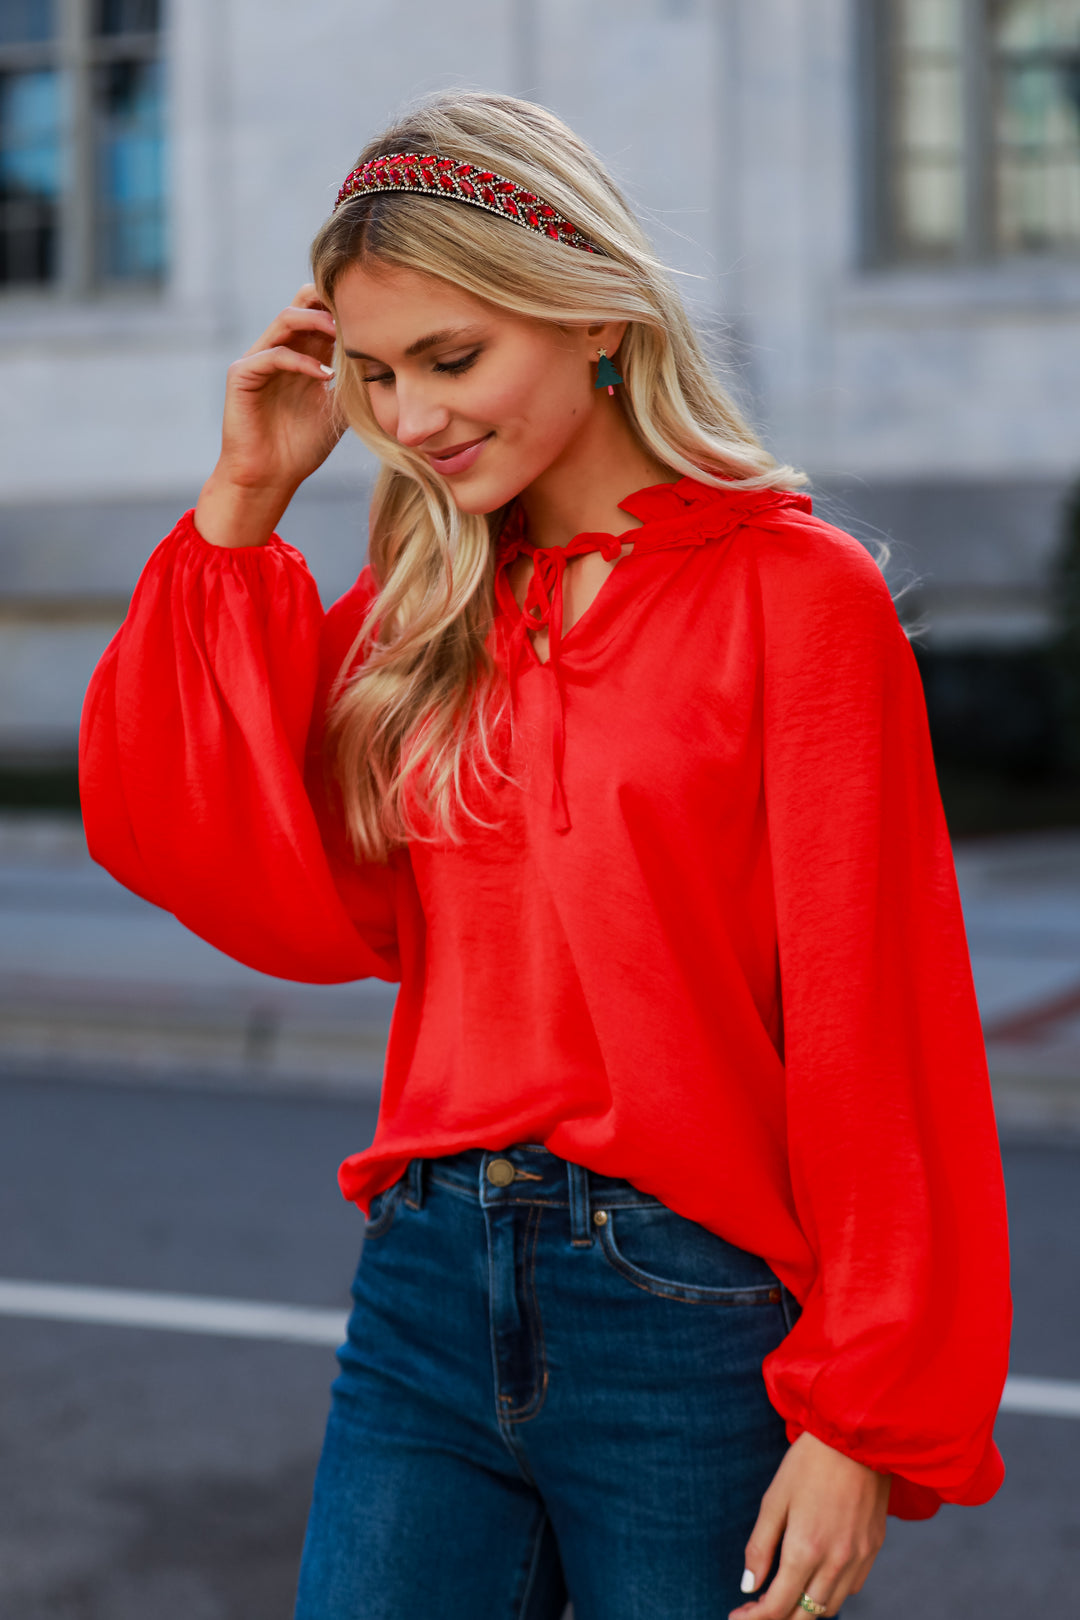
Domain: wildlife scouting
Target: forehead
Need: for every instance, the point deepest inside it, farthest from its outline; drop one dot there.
(383, 308)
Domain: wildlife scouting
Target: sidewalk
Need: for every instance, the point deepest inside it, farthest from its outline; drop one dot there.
(1022, 907)
(96, 982)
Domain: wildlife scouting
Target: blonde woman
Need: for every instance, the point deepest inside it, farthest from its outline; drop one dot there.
(685, 1257)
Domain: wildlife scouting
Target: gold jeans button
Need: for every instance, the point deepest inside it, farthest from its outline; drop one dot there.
(500, 1172)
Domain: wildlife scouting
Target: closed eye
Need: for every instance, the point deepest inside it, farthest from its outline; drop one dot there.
(458, 366)
(453, 367)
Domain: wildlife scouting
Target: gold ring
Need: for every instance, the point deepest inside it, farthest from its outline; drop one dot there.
(806, 1602)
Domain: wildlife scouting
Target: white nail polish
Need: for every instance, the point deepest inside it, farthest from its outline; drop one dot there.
(748, 1581)
(328, 369)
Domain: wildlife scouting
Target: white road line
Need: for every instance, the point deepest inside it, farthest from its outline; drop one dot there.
(299, 1324)
(180, 1313)
(1052, 1397)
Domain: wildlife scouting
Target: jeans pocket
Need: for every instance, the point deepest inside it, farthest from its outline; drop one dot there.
(384, 1206)
(675, 1258)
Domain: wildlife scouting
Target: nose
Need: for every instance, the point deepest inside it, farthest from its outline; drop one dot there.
(419, 416)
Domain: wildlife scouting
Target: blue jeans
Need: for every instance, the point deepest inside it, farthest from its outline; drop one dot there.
(551, 1383)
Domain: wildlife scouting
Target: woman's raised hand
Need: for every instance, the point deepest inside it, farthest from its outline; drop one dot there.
(279, 425)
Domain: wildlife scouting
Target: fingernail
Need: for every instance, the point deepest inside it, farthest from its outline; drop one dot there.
(328, 369)
(748, 1582)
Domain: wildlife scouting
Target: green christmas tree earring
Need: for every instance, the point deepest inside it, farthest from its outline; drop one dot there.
(606, 375)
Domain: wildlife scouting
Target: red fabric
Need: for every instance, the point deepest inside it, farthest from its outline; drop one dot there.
(713, 944)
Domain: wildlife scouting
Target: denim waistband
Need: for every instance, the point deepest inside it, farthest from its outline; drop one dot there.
(526, 1173)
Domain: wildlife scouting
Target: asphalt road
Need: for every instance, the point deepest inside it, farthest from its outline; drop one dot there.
(149, 1475)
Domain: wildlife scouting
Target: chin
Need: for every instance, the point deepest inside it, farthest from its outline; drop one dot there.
(473, 505)
(485, 497)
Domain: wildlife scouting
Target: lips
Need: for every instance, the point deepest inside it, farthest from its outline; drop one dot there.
(457, 458)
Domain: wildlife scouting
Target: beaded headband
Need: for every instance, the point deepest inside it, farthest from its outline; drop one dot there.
(427, 173)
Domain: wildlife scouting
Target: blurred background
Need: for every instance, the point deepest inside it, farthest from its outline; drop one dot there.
(874, 208)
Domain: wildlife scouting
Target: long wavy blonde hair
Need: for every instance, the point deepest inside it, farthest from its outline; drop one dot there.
(413, 711)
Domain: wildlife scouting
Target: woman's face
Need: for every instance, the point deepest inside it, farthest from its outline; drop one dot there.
(491, 399)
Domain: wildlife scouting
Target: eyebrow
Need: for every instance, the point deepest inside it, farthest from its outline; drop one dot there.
(421, 345)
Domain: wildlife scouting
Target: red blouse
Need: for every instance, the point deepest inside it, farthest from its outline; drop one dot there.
(713, 944)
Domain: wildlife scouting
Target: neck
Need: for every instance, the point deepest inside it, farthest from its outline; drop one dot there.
(581, 490)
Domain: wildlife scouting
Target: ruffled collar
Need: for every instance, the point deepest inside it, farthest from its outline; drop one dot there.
(684, 511)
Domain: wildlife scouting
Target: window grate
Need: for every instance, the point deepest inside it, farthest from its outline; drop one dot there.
(979, 152)
(82, 145)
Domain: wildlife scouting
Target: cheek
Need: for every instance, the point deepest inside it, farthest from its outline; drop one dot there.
(544, 396)
(502, 399)
(383, 408)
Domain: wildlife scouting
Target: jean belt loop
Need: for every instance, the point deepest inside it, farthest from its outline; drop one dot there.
(414, 1184)
(580, 1214)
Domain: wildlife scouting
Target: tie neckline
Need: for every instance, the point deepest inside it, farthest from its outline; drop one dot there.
(682, 513)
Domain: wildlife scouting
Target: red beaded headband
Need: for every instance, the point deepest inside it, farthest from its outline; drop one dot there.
(462, 182)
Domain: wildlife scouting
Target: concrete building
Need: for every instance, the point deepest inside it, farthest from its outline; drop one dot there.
(878, 199)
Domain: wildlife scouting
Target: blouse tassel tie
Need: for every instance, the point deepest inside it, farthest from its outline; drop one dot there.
(543, 610)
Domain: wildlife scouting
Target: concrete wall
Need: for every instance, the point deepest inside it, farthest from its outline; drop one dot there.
(938, 406)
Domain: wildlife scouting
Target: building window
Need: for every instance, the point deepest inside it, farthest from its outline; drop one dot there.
(82, 196)
(980, 126)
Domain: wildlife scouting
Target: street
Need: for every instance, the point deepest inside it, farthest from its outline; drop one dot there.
(156, 1475)
(151, 1475)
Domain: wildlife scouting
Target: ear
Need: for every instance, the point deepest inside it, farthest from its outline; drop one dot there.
(606, 335)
